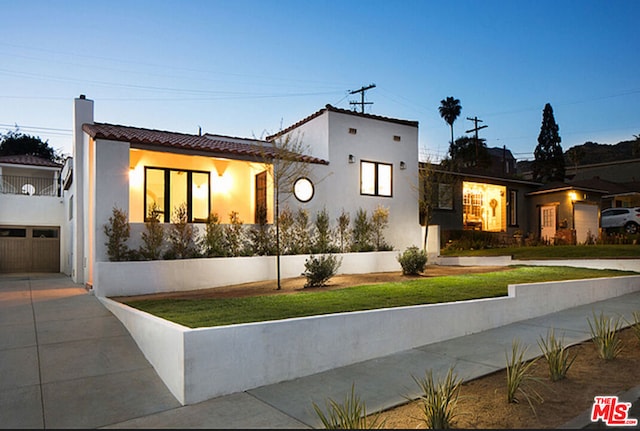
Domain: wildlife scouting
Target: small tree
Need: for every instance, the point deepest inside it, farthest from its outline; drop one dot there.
(117, 231)
(213, 239)
(283, 160)
(182, 236)
(379, 221)
(549, 159)
(153, 235)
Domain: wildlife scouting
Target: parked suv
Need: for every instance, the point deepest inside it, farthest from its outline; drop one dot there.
(626, 218)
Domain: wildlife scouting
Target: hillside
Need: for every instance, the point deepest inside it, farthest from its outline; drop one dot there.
(592, 152)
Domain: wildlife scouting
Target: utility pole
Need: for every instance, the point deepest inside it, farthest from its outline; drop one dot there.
(362, 102)
(475, 129)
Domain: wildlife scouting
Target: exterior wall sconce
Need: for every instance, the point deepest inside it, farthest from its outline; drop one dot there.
(403, 165)
(352, 159)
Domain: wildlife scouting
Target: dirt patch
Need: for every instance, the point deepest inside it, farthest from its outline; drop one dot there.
(483, 403)
(294, 285)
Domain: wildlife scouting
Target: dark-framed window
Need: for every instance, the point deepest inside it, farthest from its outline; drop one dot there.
(166, 189)
(261, 198)
(376, 179)
(513, 208)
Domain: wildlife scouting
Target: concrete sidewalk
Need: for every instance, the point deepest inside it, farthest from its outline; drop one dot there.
(66, 362)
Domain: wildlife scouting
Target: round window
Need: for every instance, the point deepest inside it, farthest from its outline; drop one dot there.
(303, 189)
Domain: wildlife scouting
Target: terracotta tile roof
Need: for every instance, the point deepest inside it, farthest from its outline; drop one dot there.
(214, 144)
(329, 108)
(25, 159)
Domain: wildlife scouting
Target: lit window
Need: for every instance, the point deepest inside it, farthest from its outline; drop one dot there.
(376, 179)
(167, 189)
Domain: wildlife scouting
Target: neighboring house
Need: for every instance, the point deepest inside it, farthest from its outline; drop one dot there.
(356, 161)
(567, 211)
(32, 216)
(490, 199)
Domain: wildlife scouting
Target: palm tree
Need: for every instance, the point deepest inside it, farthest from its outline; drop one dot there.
(450, 109)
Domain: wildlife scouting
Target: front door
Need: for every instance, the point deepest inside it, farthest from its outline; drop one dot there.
(548, 222)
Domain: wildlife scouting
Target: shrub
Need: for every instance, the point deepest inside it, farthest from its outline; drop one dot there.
(287, 238)
(182, 236)
(351, 414)
(234, 235)
(343, 231)
(518, 375)
(117, 231)
(413, 260)
(153, 235)
(361, 234)
(556, 355)
(320, 269)
(604, 334)
(213, 240)
(322, 238)
(439, 399)
(261, 236)
(301, 240)
(379, 221)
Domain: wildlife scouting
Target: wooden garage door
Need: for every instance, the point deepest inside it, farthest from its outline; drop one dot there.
(29, 249)
(586, 221)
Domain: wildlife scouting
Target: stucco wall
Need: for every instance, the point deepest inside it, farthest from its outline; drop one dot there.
(227, 359)
(337, 186)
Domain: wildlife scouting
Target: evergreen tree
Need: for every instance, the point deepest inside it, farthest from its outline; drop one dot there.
(549, 159)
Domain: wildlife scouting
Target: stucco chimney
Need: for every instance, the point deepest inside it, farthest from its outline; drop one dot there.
(82, 113)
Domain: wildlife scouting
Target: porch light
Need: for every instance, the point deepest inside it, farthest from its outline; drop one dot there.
(352, 159)
(573, 196)
(403, 165)
(136, 177)
(221, 183)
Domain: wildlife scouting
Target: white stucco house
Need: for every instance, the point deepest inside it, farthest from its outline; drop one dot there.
(33, 220)
(355, 160)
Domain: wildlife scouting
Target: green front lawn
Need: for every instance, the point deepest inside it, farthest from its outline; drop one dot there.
(554, 252)
(215, 312)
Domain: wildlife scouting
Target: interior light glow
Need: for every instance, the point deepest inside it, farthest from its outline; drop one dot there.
(136, 177)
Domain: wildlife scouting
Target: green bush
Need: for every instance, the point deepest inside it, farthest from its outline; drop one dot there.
(518, 374)
(117, 231)
(413, 261)
(153, 235)
(362, 232)
(379, 222)
(234, 237)
(343, 231)
(320, 269)
(182, 236)
(212, 242)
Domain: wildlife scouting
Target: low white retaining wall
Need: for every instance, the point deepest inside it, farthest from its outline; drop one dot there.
(619, 264)
(199, 364)
(140, 278)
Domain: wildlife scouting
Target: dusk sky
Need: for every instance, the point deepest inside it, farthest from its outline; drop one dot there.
(247, 68)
